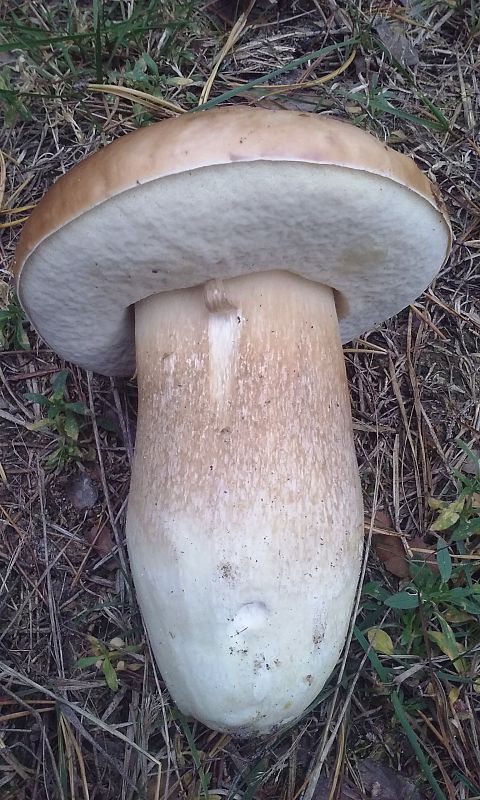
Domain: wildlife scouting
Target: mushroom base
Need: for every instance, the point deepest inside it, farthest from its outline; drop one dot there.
(245, 519)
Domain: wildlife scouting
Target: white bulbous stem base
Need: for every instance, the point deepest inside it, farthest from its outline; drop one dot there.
(245, 519)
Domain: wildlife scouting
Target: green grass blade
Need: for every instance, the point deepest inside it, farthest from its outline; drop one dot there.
(204, 778)
(416, 746)
(379, 103)
(97, 25)
(42, 41)
(387, 108)
(459, 776)
(68, 60)
(297, 62)
(385, 677)
(444, 560)
(452, 678)
(436, 112)
(383, 673)
(254, 780)
(474, 458)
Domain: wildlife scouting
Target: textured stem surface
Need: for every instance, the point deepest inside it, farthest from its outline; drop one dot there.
(245, 519)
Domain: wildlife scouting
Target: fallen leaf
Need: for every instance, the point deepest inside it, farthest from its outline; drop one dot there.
(393, 36)
(456, 616)
(389, 547)
(345, 792)
(179, 81)
(446, 642)
(383, 783)
(454, 694)
(379, 782)
(449, 515)
(395, 137)
(380, 641)
(391, 553)
(462, 710)
(453, 654)
(95, 645)
(436, 504)
(101, 539)
(81, 492)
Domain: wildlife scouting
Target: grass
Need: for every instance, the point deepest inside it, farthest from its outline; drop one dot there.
(12, 325)
(62, 417)
(434, 624)
(83, 711)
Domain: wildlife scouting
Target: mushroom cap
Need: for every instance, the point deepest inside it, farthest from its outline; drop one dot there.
(219, 194)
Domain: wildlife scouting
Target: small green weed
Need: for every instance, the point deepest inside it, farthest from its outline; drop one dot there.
(110, 659)
(12, 105)
(202, 790)
(441, 602)
(13, 335)
(64, 418)
(378, 101)
(140, 74)
(69, 50)
(434, 619)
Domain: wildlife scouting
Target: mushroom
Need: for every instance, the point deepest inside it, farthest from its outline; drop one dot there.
(226, 255)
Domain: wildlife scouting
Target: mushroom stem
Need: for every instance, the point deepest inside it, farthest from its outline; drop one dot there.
(245, 520)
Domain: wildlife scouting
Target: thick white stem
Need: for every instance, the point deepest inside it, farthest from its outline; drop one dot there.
(245, 520)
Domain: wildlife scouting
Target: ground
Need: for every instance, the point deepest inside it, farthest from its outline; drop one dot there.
(83, 712)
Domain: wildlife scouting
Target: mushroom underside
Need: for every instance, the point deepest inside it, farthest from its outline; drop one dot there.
(374, 241)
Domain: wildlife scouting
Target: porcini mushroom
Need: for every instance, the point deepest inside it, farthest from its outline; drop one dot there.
(227, 254)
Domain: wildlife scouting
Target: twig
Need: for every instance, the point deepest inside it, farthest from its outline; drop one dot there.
(118, 540)
(326, 743)
(82, 712)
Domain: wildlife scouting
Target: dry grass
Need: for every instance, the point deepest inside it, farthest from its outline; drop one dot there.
(411, 77)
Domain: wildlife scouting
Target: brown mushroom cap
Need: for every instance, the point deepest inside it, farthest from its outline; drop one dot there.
(219, 194)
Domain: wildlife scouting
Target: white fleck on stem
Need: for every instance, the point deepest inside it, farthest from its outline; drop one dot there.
(223, 335)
